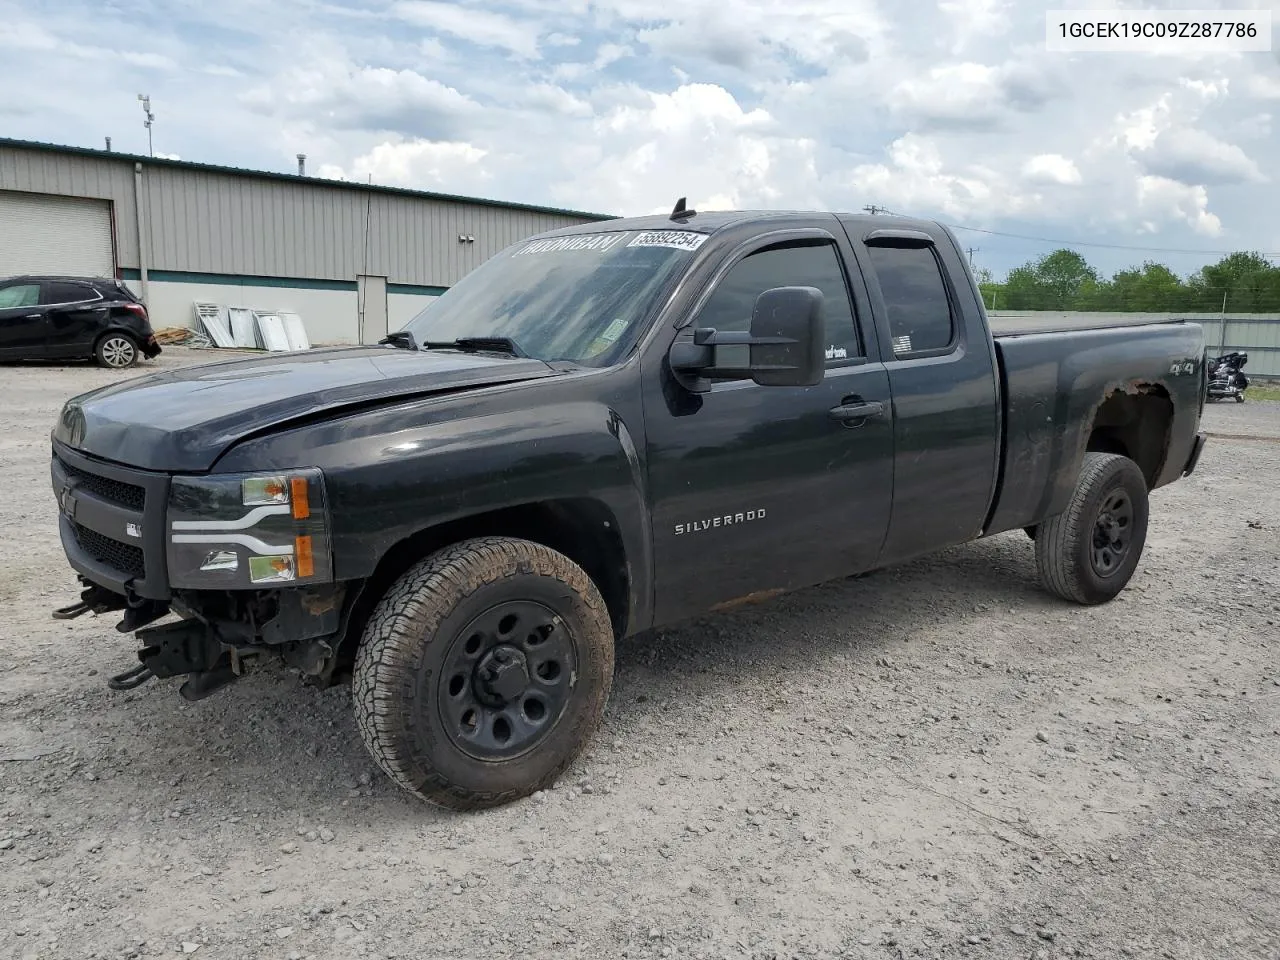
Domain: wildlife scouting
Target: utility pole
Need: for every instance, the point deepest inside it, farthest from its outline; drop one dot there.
(146, 110)
(972, 251)
(873, 209)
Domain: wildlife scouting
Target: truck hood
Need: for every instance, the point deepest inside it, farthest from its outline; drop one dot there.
(183, 420)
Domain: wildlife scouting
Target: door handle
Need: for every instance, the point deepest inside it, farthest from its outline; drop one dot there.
(857, 410)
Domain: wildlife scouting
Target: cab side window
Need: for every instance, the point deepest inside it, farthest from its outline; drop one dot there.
(19, 295)
(815, 264)
(915, 298)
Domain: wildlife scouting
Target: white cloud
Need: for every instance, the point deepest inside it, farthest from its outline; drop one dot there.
(1161, 199)
(1051, 168)
(969, 94)
(477, 25)
(915, 178)
(696, 141)
(1263, 86)
(944, 108)
(345, 96)
(418, 163)
(1194, 156)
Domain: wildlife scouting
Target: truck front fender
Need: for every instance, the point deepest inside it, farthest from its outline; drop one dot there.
(393, 474)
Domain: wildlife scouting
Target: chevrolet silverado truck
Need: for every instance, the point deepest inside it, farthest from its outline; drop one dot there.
(600, 430)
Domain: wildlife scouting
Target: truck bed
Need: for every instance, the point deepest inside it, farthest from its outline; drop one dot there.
(1021, 326)
(1054, 381)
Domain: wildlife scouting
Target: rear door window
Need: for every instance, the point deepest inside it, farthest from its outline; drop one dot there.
(915, 298)
(19, 295)
(62, 292)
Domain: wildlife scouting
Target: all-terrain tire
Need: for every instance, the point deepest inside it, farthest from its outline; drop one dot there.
(399, 670)
(1065, 543)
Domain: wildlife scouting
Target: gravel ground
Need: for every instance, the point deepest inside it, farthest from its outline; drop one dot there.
(933, 761)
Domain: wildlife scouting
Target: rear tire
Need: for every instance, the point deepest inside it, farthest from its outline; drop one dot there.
(1088, 553)
(116, 351)
(1239, 398)
(483, 672)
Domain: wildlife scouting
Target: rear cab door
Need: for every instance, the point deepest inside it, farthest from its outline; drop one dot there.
(22, 323)
(75, 314)
(943, 376)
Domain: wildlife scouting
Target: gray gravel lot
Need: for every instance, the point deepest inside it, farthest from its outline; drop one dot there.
(933, 761)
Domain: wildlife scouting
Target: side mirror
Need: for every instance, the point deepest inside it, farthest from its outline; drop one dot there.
(784, 345)
(786, 333)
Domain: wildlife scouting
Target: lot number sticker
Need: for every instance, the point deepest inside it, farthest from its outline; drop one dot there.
(677, 239)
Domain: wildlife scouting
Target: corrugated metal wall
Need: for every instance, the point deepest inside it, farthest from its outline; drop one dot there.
(205, 221)
(70, 175)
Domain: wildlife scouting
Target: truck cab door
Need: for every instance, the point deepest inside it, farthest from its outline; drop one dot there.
(22, 320)
(75, 315)
(761, 489)
(942, 370)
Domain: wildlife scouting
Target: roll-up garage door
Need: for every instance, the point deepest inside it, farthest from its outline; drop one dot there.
(59, 235)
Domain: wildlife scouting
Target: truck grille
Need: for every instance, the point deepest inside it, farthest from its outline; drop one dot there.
(115, 491)
(119, 556)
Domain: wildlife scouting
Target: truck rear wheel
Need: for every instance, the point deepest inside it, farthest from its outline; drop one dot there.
(1088, 553)
(483, 672)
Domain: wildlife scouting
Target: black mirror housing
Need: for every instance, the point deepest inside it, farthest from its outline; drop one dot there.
(787, 338)
(784, 344)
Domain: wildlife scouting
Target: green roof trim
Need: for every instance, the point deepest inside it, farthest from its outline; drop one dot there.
(294, 178)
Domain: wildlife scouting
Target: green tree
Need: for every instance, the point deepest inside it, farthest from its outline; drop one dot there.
(1151, 288)
(1248, 281)
(1057, 281)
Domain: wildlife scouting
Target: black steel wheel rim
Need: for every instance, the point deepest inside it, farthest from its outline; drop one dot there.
(1112, 533)
(506, 680)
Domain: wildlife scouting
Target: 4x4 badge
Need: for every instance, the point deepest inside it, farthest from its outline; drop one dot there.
(133, 530)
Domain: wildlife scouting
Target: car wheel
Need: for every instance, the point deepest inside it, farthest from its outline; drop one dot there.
(1088, 553)
(117, 351)
(483, 672)
(1239, 398)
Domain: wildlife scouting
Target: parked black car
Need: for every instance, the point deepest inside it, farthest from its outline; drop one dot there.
(57, 318)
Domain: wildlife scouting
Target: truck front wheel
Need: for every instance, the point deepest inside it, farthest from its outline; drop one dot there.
(1089, 552)
(483, 672)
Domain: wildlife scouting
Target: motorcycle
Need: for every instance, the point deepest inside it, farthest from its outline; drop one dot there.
(1226, 378)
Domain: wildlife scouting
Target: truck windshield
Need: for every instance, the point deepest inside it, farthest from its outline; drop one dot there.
(580, 298)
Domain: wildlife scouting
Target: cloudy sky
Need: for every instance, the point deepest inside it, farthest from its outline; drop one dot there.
(950, 109)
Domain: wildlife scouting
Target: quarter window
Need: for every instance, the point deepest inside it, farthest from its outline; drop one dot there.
(20, 295)
(915, 298)
(793, 265)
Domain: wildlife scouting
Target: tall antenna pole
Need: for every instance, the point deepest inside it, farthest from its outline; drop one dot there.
(146, 110)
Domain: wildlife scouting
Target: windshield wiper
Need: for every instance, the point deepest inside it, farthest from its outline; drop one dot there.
(497, 344)
(402, 339)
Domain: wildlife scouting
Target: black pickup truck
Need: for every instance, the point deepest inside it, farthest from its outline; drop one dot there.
(600, 430)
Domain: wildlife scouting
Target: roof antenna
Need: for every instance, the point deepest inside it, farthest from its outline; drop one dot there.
(681, 212)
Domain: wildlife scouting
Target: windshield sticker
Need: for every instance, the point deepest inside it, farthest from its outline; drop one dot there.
(677, 239)
(837, 353)
(902, 344)
(613, 331)
(590, 241)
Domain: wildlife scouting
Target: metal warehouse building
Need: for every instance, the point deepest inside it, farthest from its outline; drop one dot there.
(353, 260)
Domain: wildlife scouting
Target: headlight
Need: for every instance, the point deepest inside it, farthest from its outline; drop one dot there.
(248, 531)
